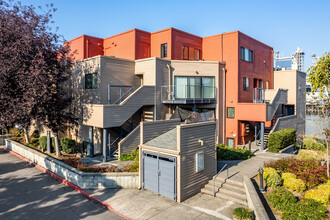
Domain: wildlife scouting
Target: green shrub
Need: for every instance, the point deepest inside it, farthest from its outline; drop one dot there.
(313, 144)
(35, 134)
(242, 213)
(226, 153)
(43, 143)
(281, 198)
(288, 176)
(269, 171)
(318, 195)
(311, 155)
(294, 184)
(133, 156)
(310, 171)
(274, 180)
(305, 209)
(68, 145)
(281, 139)
(34, 142)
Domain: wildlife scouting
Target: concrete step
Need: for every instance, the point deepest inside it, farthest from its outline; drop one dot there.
(227, 190)
(226, 196)
(220, 180)
(227, 186)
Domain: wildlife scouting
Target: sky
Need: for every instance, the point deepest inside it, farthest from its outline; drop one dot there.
(282, 24)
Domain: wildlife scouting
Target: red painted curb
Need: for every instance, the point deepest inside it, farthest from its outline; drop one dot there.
(73, 186)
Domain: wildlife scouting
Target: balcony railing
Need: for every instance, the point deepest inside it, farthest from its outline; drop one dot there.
(188, 94)
(259, 95)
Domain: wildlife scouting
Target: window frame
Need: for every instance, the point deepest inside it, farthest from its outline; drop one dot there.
(199, 54)
(233, 108)
(163, 50)
(183, 49)
(233, 142)
(92, 75)
(246, 84)
(246, 54)
(200, 161)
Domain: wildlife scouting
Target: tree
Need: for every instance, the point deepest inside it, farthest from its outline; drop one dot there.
(35, 69)
(319, 78)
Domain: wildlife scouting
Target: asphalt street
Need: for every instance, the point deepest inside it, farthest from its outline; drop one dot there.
(28, 193)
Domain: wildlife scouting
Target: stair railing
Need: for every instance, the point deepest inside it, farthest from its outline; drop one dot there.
(110, 145)
(217, 176)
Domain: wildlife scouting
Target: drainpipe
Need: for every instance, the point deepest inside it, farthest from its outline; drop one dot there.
(224, 105)
(169, 85)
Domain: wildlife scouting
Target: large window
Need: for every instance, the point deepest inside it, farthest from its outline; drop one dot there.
(194, 87)
(91, 81)
(163, 50)
(246, 54)
(185, 53)
(245, 83)
(230, 112)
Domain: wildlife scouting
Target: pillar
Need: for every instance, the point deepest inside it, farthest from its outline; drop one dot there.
(255, 133)
(105, 138)
(91, 142)
(48, 142)
(262, 136)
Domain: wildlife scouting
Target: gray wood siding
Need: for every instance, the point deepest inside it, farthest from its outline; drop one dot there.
(280, 98)
(116, 115)
(191, 181)
(285, 122)
(130, 142)
(153, 129)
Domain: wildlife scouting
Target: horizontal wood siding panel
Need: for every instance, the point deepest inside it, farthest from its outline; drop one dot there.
(191, 181)
(280, 98)
(116, 115)
(130, 142)
(153, 129)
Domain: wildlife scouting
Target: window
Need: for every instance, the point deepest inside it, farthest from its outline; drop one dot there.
(185, 53)
(261, 84)
(246, 54)
(230, 112)
(267, 84)
(91, 81)
(194, 87)
(245, 83)
(199, 161)
(230, 142)
(163, 50)
(197, 54)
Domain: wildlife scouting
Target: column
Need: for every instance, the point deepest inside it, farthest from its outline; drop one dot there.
(91, 144)
(262, 136)
(105, 137)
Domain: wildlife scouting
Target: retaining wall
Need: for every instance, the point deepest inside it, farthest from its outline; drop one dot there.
(82, 179)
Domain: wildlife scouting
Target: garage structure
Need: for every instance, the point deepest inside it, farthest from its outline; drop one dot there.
(179, 162)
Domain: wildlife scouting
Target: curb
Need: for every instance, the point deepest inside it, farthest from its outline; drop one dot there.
(73, 186)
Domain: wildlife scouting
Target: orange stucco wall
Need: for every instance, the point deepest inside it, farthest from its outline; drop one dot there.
(161, 37)
(86, 46)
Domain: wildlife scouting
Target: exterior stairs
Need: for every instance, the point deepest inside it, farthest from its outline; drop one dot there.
(266, 137)
(228, 190)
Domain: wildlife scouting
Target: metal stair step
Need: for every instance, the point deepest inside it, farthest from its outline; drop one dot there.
(226, 197)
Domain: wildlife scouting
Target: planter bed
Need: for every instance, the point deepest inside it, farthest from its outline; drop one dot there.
(82, 179)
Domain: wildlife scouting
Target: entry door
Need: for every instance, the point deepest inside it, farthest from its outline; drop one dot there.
(159, 174)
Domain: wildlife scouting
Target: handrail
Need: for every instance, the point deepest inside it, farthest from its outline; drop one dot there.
(110, 147)
(217, 176)
(120, 98)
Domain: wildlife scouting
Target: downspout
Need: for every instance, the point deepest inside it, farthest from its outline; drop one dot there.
(169, 85)
(224, 104)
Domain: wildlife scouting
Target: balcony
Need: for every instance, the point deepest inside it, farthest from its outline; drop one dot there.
(188, 94)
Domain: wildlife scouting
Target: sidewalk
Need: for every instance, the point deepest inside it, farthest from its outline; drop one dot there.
(239, 168)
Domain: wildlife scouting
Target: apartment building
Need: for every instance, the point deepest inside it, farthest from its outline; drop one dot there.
(229, 75)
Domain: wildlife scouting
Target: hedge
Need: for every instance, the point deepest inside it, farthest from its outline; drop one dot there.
(281, 139)
(68, 145)
(227, 153)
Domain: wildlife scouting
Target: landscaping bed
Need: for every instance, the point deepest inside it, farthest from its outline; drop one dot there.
(296, 188)
(70, 155)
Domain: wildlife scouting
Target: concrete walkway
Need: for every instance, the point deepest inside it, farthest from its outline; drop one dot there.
(239, 168)
(138, 204)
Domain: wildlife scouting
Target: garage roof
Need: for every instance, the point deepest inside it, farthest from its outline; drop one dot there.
(165, 141)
